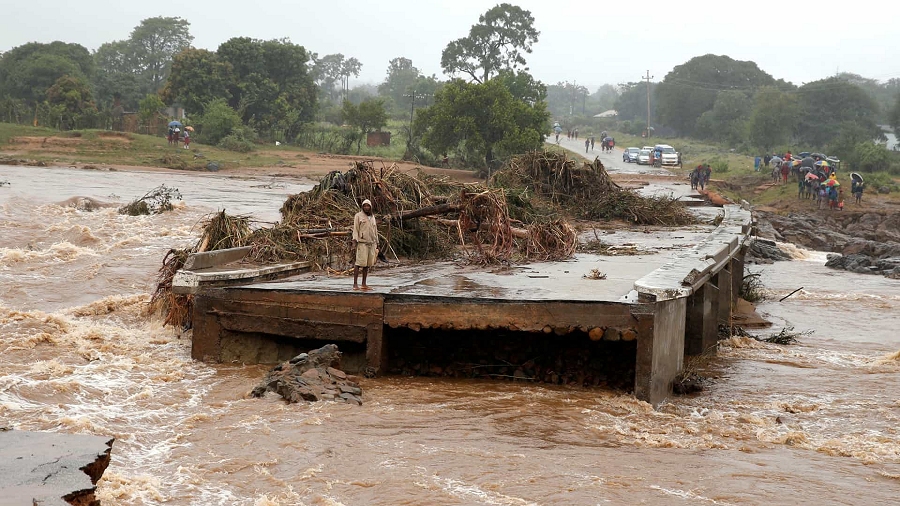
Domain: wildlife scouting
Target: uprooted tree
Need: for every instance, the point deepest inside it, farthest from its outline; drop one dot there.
(520, 215)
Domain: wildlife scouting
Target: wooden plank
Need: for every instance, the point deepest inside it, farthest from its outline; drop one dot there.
(298, 329)
(207, 259)
(528, 316)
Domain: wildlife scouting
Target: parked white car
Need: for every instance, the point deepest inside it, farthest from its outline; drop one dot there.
(669, 155)
(643, 157)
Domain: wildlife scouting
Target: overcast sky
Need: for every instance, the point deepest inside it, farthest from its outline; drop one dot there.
(591, 42)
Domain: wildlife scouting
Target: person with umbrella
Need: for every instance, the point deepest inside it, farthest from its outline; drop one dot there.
(776, 168)
(174, 132)
(187, 136)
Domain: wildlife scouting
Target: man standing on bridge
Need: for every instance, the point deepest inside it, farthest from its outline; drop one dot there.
(365, 242)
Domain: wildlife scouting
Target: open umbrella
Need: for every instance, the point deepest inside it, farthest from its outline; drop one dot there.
(832, 182)
(812, 177)
(823, 163)
(175, 123)
(189, 128)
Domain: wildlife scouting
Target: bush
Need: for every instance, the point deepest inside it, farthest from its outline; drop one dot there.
(719, 165)
(218, 121)
(241, 139)
(326, 138)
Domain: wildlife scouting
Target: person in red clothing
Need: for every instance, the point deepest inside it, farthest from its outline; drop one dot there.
(785, 169)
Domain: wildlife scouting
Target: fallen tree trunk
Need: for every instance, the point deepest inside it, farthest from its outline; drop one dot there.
(520, 233)
(426, 211)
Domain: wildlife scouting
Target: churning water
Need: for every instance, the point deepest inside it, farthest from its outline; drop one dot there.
(779, 424)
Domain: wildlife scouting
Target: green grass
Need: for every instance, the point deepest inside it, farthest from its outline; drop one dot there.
(95, 147)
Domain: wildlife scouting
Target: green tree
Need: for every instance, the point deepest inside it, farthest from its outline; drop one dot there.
(400, 82)
(894, 116)
(366, 117)
(772, 119)
(270, 85)
(503, 35)
(198, 77)
(483, 118)
(827, 104)
(333, 69)
(727, 120)
(632, 102)
(29, 70)
(218, 121)
(870, 157)
(149, 108)
(691, 88)
(116, 77)
(154, 43)
(72, 95)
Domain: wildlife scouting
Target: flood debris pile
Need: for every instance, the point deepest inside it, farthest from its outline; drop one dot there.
(155, 201)
(586, 192)
(313, 376)
(521, 214)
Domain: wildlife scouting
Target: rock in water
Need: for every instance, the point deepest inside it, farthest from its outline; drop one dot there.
(313, 376)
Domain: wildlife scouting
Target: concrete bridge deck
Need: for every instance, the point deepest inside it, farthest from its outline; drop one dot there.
(669, 302)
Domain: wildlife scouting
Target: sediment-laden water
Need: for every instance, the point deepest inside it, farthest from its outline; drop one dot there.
(819, 421)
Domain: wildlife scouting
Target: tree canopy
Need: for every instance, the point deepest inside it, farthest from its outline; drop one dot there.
(482, 118)
(29, 70)
(154, 43)
(270, 85)
(827, 104)
(499, 41)
(691, 88)
(772, 119)
(366, 117)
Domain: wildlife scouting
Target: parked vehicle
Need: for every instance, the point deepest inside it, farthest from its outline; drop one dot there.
(630, 155)
(669, 155)
(644, 157)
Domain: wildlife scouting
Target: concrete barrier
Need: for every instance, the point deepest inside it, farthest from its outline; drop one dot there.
(690, 296)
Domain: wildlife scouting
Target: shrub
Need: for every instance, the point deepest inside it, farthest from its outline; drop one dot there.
(218, 121)
(241, 139)
(719, 165)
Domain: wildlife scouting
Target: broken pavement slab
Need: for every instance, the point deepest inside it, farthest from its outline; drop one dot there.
(51, 469)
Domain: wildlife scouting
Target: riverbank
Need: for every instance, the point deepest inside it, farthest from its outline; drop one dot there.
(105, 150)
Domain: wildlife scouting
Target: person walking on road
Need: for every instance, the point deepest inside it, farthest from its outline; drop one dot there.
(592, 143)
(587, 145)
(365, 242)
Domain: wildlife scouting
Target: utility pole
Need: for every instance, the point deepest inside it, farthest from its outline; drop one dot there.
(412, 107)
(648, 78)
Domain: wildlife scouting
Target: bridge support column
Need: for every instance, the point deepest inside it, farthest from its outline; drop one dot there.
(724, 284)
(376, 349)
(737, 276)
(701, 330)
(660, 353)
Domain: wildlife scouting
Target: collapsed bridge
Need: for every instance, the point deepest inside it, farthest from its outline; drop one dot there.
(542, 321)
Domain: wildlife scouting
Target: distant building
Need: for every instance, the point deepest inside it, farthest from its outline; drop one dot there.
(612, 113)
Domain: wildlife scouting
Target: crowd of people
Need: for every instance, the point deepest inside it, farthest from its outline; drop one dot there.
(816, 178)
(700, 176)
(176, 136)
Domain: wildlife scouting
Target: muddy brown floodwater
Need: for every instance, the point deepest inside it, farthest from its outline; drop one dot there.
(819, 421)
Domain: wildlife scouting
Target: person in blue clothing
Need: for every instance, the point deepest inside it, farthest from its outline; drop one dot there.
(756, 163)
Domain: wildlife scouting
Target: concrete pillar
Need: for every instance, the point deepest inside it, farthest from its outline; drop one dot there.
(660, 350)
(723, 283)
(206, 344)
(737, 276)
(376, 349)
(701, 329)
